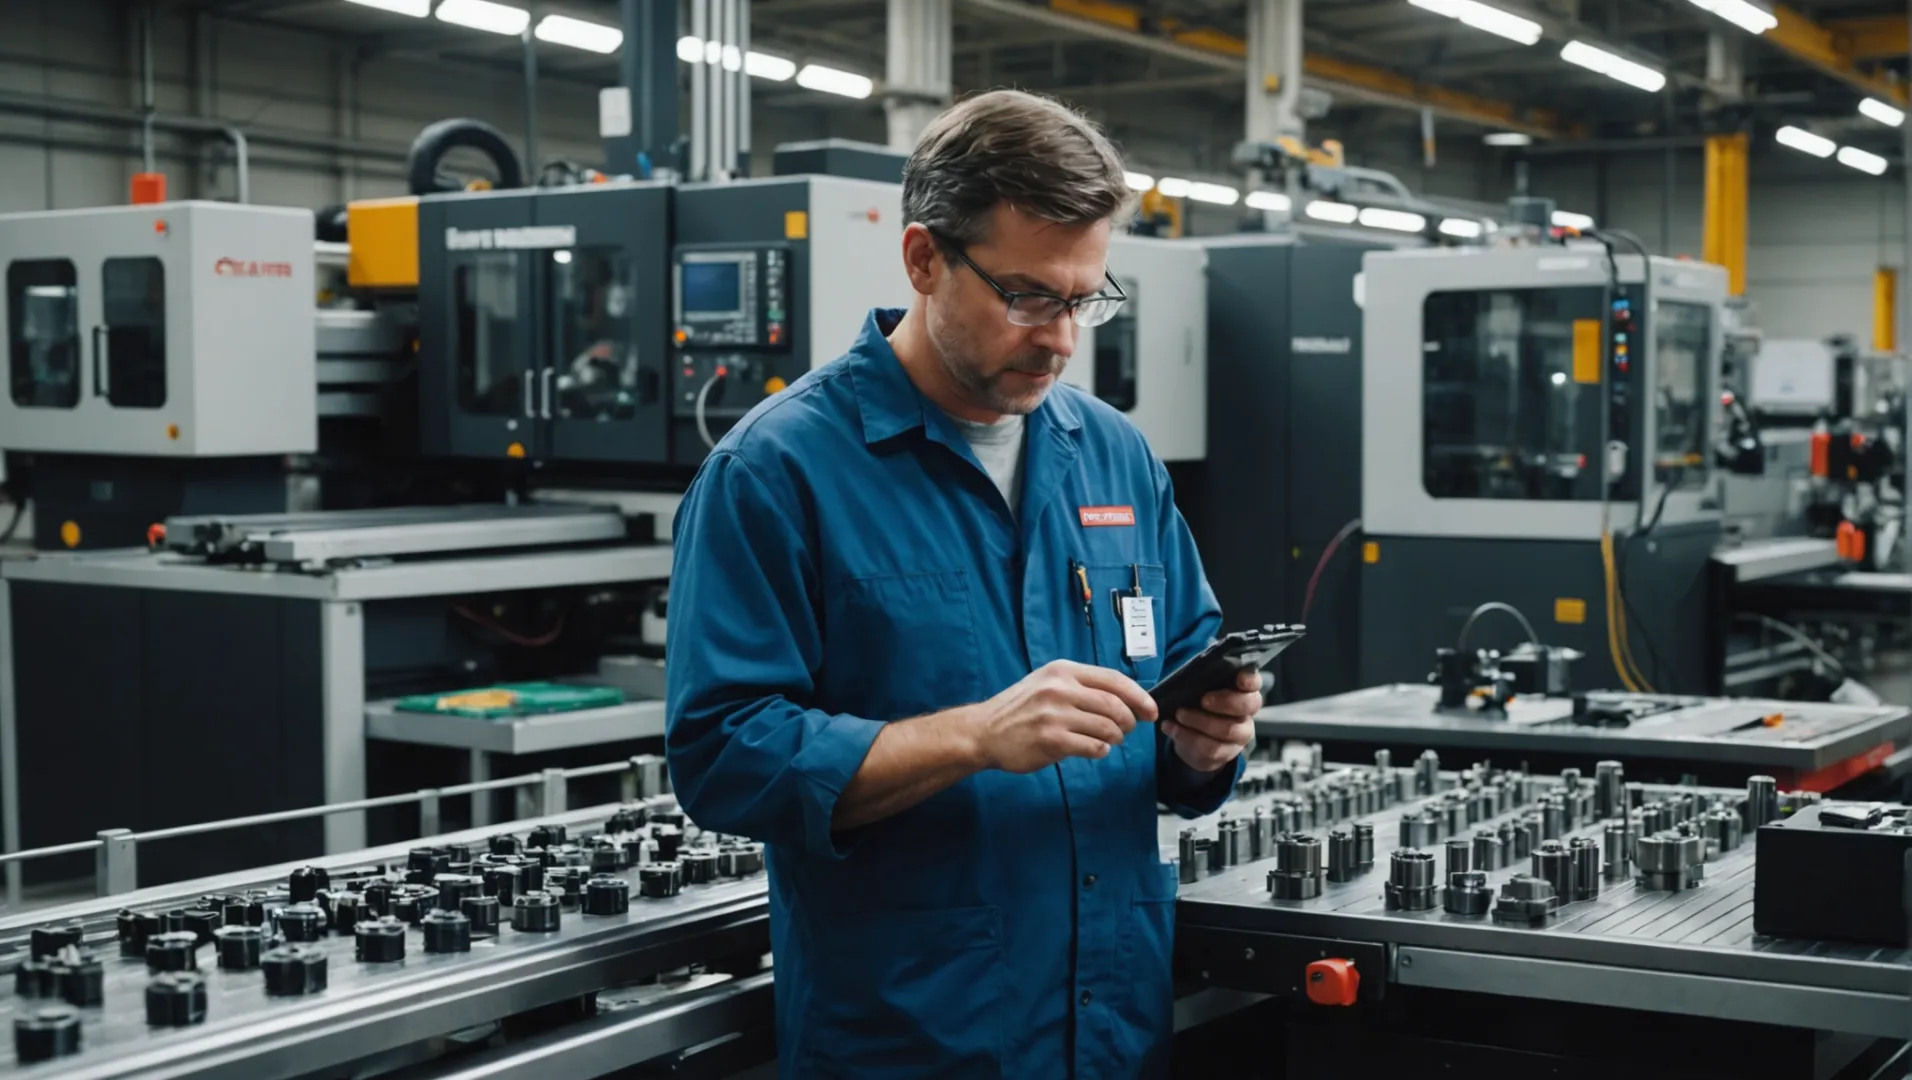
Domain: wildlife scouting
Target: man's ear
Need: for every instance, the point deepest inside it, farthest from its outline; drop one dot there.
(922, 260)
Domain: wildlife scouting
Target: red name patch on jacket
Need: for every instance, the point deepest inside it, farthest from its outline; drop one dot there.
(1106, 515)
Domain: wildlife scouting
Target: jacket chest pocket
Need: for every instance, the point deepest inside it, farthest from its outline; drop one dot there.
(1109, 586)
(900, 645)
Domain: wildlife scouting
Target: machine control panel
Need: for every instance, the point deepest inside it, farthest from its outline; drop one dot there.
(732, 297)
(1625, 353)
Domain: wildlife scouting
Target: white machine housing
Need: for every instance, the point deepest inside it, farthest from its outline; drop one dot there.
(233, 288)
(1396, 288)
(1151, 360)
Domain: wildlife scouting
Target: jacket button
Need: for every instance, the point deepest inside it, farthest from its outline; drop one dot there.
(1088, 881)
(1086, 996)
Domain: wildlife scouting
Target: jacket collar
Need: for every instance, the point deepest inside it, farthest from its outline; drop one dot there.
(889, 404)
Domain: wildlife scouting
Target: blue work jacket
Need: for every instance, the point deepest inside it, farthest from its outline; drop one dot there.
(842, 560)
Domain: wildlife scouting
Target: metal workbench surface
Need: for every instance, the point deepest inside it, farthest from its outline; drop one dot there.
(367, 1009)
(1727, 731)
(1692, 952)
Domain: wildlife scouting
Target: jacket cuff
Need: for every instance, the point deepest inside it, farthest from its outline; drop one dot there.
(827, 762)
(1190, 793)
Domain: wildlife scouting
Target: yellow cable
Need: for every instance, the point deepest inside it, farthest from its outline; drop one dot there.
(1626, 636)
(1613, 639)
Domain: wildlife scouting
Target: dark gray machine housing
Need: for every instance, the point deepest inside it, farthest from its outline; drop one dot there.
(839, 157)
(1283, 472)
(543, 323)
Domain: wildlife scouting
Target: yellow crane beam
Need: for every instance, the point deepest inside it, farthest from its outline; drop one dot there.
(1825, 50)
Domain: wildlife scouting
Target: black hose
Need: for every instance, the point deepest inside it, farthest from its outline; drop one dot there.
(439, 139)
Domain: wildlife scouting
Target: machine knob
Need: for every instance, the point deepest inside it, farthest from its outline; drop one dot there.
(453, 888)
(1467, 893)
(535, 913)
(546, 836)
(447, 932)
(238, 947)
(502, 882)
(1333, 981)
(700, 867)
(173, 951)
(411, 902)
(134, 928)
(79, 978)
(1410, 885)
(483, 913)
(506, 844)
(670, 838)
(293, 970)
(305, 883)
(606, 895)
(740, 859)
(48, 940)
(343, 910)
(659, 879)
(301, 923)
(46, 1034)
(379, 941)
(178, 998)
(34, 978)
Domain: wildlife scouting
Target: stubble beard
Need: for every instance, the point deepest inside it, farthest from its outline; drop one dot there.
(986, 390)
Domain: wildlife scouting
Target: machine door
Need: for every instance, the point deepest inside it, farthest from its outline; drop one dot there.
(604, 310)
(490, 347)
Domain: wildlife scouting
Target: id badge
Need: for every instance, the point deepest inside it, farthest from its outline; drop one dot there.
(1138, 627)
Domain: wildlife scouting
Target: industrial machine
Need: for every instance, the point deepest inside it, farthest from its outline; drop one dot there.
(1538, 429)
(1149, 361)
(1275, 502)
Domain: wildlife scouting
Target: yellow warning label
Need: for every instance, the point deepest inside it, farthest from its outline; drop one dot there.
(515, 450)
(1569, 610)
(172, 432)
(796, 224)
(1586, 350)
(1370, 552)
(70, 533)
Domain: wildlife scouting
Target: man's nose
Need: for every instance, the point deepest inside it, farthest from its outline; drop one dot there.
(1059, 336)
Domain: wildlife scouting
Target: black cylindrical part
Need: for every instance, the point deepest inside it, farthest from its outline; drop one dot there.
(745, 857)
(343, 910)
(1553, 818)
(1188, 867)
(1526, 835)
(453, 888)
(1363, 846)
(178, 998)
(34, 978)
(1459, 855)
(1467, 893)
(134, 928)
(293, 970)
(670, 838)
(238, 948)
(1762, 800)
(45, 1034)
(301, 922)
(661, 879)
(606, 895)
(483, 913)
(700, 866)
(177, 951)
(1609, 790)
(1586, 867)
(446, 931)
(535, 912)
(1552, 864)
(378, 897)
(546, 836)
(1486, 851)
(379, 941)
(502, 882)
(411, 902)
(506, 844)
(1613, 849)
(305, 883)
(1231, 836)
(1341, 860)
(48, 940)
(1411, 884)
(79, 979)
(1427, 773)
(1383, 761)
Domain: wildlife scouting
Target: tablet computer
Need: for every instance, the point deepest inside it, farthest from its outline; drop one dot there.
(1214, 668)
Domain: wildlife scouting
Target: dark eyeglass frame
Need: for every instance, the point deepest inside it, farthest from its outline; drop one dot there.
(1065, 306)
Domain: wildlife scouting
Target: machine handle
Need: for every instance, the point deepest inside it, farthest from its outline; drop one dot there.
(545, 392)
(99, 356)
(529, 412)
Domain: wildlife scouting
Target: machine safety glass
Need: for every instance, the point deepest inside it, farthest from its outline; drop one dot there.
(1042, 308)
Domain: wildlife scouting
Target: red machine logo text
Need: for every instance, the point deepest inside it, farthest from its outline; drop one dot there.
(251, 268)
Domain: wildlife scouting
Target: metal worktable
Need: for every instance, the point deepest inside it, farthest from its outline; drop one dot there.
(337, 595)
(1716, 735)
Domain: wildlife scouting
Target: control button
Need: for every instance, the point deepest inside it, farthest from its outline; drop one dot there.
(1088, 881)
(1333, 981)
(774, 385)
(1087, 997)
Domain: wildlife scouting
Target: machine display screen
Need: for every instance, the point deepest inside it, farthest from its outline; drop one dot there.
(1683, 351)
(711, 288)
(1511, 394)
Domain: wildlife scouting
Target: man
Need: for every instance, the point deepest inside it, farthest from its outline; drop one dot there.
(916, 598)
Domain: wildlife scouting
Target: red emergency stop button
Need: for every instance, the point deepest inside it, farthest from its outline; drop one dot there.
(1333, 982)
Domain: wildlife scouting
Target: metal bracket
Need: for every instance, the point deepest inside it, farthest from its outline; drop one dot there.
(116, 863)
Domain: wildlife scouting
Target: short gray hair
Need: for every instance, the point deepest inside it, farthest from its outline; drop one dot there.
(1008, 146)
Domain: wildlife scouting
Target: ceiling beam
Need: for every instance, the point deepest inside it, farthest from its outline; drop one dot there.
(1819, 48)
(1224, 52)
(1873, 37)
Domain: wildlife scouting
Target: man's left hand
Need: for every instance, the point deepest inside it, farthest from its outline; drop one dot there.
(1208, 738)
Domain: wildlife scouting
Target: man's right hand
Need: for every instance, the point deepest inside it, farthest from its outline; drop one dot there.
(1062, 709)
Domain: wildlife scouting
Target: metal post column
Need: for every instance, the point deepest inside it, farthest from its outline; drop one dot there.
(917, 71)
(1724, 234)
(1273, 84)
(648, 132)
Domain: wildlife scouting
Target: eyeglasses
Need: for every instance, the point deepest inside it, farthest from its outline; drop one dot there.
(1042, 308)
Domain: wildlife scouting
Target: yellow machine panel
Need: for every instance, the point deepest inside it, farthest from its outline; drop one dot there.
(384, 238)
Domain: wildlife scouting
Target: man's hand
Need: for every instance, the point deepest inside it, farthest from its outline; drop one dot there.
(1062, 709)
(1212, 736)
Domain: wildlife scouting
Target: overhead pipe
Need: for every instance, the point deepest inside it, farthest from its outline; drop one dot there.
(82, 112)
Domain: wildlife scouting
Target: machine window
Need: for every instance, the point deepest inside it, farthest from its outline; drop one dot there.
(134, 292)
(1506, 411)
(592, 290)
(491, 365)
(1115, 359)
(1682, 354)
(43, 333)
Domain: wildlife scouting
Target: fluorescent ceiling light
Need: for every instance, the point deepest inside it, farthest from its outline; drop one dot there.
(484, 15)
(1481, 17)
(417, 9)
(589, 36)
(765, 66)
(690, 50)
(1804, 141)
(1507, 138)
(1221, 194)
(1878, 110)
(1465, 228)
(1567, 219)
(1861, 160)
(1380, 217)
(831, 81)
(1560, 378)
(1269, 200)
(1339, 213)
(1618, 68)
(1747, 16)
(1138, 181)
(1173, 187)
